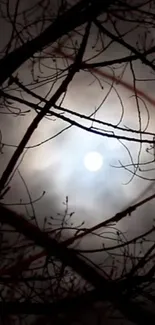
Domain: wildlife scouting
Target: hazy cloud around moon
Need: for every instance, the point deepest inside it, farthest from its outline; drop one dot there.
(57, 166)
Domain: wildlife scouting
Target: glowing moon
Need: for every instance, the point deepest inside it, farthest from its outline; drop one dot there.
(93, 161)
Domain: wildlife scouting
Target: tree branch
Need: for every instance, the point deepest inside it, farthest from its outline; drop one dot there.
(139, 55)
(34, 124)
(133, 311)
(71, 19)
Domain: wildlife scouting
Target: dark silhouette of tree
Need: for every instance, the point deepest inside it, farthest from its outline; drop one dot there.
(42, 272)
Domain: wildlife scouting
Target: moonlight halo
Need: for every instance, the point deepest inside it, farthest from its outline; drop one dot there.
(93, 161)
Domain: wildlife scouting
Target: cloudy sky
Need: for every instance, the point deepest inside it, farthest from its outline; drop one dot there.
(57, 166)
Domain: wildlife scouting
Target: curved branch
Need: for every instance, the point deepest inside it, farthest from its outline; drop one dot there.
(133, 311)
(74, 17)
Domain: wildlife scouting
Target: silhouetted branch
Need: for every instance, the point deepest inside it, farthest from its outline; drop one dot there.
(34, 124)
(131, 310)
(119, 216)
(74, 17)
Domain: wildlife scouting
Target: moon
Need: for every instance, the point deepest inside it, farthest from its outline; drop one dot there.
(93, 161)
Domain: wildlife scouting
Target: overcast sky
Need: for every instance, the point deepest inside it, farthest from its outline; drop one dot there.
(58, 165)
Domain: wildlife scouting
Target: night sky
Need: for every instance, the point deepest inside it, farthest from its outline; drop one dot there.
(57, 166)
